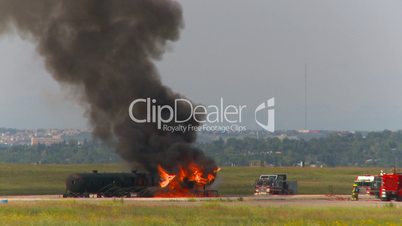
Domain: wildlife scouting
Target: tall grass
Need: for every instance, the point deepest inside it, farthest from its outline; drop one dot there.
(67, 212)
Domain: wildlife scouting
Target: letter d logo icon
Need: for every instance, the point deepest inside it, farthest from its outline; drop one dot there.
(269, 106)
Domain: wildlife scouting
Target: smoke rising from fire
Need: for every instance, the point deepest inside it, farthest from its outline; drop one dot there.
(106, 49)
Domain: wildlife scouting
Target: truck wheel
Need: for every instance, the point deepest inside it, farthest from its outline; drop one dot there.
(385, 199)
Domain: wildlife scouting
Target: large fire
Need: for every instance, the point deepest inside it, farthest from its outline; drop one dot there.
(186, 182)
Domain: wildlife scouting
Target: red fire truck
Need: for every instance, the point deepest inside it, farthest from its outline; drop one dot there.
(391, 186)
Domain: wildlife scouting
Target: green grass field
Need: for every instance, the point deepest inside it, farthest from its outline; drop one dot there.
(49, 179)
(68, 212)
(19, 179)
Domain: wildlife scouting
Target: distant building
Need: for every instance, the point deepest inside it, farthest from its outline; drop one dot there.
(46, 140)
(256, 163)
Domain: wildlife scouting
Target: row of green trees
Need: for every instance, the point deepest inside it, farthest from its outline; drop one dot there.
(337, 149)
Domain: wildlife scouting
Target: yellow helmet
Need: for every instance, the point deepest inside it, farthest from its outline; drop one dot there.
(355, 185)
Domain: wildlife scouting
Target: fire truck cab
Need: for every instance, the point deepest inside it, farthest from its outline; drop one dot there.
(364, 183)
(275, 184)
(391, 187)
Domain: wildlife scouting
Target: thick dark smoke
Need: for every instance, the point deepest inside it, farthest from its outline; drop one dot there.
(106, 49)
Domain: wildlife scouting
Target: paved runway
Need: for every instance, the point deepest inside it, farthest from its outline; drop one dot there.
(272, 200)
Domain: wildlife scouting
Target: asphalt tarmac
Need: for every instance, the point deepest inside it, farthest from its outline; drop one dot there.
(271, 200)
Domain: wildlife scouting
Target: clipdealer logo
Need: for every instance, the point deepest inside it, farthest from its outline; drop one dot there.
(223, 118)
(270, 107)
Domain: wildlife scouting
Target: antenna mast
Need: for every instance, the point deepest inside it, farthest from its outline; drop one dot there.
(305, 97)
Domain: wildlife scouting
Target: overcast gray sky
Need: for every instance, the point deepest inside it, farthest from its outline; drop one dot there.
(247, 52)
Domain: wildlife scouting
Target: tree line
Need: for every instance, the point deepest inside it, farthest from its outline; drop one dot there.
(336, 149)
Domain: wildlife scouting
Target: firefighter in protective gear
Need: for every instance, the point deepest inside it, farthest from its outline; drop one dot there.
(355, 192)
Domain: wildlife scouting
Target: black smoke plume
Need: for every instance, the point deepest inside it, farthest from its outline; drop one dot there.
(106, 49)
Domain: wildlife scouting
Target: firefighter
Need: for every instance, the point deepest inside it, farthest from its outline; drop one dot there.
(355, 192)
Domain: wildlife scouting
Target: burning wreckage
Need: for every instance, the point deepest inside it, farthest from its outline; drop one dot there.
(104, 52)
(190, 182)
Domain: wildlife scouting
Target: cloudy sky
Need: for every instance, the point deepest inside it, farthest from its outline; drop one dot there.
(248, 52)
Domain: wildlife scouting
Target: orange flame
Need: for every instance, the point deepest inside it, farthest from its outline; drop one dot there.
(185, 181)
(165, 177)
